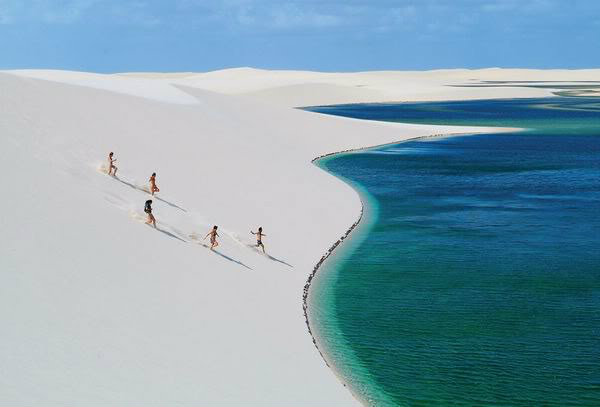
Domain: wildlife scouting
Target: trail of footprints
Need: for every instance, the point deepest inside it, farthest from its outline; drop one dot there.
(163, 227)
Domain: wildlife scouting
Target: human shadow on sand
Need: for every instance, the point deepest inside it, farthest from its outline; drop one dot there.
(130, 185)
(278, 260)
(166, 233)
(169, 203)
(231, 259)
(171, 235)
(268, 256)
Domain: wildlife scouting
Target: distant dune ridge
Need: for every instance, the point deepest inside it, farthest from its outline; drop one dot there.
(298, 88)
(97, 307)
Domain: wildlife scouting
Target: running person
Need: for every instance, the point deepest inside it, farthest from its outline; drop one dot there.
(148, 210)
(213, 237)
(153, 187)
(259, 236)
(111, 165)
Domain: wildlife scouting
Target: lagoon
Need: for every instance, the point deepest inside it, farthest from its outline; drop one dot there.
(475, 280)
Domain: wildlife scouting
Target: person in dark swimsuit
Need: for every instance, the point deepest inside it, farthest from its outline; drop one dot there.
(259, 236)
(148, 210)
(111, 165)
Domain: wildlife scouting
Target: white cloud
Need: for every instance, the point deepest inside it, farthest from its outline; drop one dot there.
(5, 18)
(280, 15)
(47, 11)
(7, 11)
(529, 6)
(64, 12)
(499, 6)
(289, 15)
(292, 16)
(75, 11)
(404, 14)
(138, 13)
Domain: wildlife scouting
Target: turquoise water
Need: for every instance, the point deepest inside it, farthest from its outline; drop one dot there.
(475, 278)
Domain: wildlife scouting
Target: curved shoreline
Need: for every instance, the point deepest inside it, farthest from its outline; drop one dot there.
(344, 237)
(316, 268)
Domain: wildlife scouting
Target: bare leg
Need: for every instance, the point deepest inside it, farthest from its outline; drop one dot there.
(115, 171)
(263, 247)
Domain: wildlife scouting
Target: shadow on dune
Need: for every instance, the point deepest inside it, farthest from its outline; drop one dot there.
(171, 235)
(169, 203)
(268, 256)
(165, 232)
(130, 185)
(231, 259)
(279, 261)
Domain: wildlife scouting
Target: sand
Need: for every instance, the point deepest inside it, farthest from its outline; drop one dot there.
(297, 88)
(97, 307)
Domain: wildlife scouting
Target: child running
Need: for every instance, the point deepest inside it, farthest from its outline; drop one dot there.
(153, 187)
(111, 165)
(148, 210)
(213, 237)
(259, 236)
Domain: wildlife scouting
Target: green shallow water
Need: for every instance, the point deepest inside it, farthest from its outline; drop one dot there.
(474, 279)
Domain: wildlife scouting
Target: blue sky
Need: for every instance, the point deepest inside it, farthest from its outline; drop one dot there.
(326, 35)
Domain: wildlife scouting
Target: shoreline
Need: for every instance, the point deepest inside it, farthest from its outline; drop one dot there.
(316, 268)
(344, 305)
(415, 101)
(344, 237)
(201, 344)
(572, 93)
(354, 150)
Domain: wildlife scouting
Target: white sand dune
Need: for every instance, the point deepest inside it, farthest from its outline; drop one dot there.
(297, 88)
(96, 307)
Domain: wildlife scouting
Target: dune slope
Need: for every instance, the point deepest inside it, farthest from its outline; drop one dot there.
(298, 88)
(97, 307)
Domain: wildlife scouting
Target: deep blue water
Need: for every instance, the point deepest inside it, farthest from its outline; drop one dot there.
(475, 280)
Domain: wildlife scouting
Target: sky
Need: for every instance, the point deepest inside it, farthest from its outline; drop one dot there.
(322, 35)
